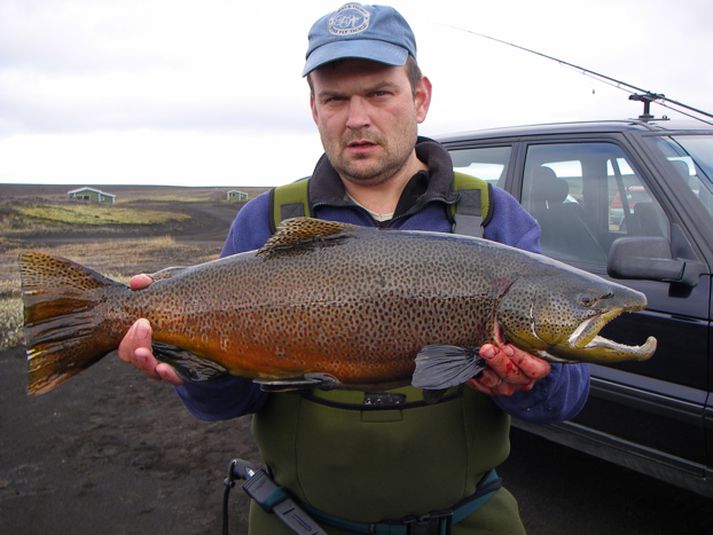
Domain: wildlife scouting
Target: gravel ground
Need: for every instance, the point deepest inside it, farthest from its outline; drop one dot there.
(111, 452)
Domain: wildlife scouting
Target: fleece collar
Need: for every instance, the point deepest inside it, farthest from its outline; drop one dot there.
(436, 185)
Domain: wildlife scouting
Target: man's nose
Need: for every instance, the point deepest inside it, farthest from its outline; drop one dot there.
(358, 113)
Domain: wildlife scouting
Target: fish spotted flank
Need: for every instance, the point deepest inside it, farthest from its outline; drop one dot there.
(332, 304)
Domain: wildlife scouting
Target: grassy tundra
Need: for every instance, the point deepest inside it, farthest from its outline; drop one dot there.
(146, 230)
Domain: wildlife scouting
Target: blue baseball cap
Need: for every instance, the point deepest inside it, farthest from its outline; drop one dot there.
(376, 33)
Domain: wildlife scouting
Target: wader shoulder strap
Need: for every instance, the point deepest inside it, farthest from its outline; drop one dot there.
(472, 211)
(290, 200)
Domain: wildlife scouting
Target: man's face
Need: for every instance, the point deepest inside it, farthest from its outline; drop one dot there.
(367, 115)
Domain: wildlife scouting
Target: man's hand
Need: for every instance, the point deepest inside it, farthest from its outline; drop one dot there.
(135, 347)
(509, 370)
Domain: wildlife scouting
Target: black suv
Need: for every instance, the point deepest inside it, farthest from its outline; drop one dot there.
(630, 200)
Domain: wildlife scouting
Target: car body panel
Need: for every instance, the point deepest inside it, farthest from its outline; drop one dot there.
(654, 416)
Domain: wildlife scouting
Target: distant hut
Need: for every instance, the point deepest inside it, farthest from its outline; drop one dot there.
(236, 196)
(92, 195)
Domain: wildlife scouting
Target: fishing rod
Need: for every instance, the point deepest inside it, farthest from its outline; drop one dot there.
(635, 93)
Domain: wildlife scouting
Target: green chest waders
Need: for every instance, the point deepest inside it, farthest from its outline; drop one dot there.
(366, 464)
(344, 455)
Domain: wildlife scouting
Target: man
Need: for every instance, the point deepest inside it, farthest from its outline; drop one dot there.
(353, 467)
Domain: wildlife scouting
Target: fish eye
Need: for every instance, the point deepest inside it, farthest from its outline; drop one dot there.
(587, 300)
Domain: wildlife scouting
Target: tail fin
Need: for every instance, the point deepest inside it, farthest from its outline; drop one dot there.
(63, 334)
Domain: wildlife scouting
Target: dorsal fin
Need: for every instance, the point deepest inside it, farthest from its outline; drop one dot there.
(299, 230)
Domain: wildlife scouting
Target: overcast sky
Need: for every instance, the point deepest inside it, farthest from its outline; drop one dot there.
(209, 92)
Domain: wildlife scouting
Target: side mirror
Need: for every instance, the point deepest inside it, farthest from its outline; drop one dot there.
(647, 257)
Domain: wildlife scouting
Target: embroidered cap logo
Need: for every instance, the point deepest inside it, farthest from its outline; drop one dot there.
(349, 19)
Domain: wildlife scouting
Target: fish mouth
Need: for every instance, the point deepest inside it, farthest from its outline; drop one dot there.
(586, 345)
(588, 330)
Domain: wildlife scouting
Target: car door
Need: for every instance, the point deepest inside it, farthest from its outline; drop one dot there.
(586, 194)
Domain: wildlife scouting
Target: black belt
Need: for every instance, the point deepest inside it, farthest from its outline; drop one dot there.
(433, 523)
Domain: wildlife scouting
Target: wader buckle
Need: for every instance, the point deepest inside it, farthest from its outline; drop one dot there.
(271, 497)
(435, 523)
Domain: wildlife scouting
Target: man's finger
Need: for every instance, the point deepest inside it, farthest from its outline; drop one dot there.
(167, 373)
(134, 337)
(135, 347)
(145, 361)
(139, 282)
(533, 367)
(500, 389)
(500, 361)
(489, 379)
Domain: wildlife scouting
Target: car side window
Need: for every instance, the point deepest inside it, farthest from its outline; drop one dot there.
(487, 163)
(585, 195)
(690, 157)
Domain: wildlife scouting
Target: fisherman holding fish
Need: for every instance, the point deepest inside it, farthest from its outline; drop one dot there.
(387, 461)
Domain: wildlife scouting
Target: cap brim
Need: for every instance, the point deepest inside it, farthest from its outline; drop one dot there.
(379, 51)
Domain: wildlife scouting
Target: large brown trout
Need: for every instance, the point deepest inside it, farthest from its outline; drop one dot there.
(332, 305)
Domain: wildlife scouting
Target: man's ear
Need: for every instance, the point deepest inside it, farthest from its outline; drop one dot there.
(422, 98)
(313, 107)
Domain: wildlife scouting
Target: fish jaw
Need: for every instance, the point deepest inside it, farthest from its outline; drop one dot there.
(586, 345)
(604, 351)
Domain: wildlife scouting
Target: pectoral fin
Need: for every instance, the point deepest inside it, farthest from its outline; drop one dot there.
(189, 366)
(439, 367)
